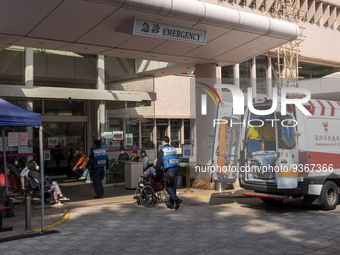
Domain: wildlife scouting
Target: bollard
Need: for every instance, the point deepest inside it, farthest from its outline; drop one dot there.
(28, 213)
(218, 186)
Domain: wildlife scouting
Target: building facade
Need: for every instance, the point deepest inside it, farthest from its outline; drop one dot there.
(97, 78)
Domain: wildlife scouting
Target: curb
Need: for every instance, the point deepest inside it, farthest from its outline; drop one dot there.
(211, 196)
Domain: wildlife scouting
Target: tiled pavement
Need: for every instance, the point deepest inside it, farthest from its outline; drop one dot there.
(202, 225)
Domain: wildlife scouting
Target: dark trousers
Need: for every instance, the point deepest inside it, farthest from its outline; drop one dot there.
(78, 172)
(170, 178)
(97, 176)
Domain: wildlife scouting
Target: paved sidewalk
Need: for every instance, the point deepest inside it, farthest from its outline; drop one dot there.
(208, 222)
(203, 225)
(81, 195)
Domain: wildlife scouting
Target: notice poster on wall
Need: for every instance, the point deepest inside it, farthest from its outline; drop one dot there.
(129, 139)
(13, 139)
(52, 141)
(23, 149)
(22, 138)
(17, 139)
(186, 151)
(108, 135)
(47, 155)
(118, 135)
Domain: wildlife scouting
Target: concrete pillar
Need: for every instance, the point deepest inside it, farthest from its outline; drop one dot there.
(140, 134)
(29, 106)
(29, 67)
(182, 132)
(29, 80)
(101, 72)
(154, 137)
(101, 86)
(205, 75)
(237, 75)
(253, 76)
(269, 80)
(101, 118)
(168, 130)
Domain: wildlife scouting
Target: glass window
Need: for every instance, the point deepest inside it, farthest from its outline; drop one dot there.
(161, 129)
(313, 71)
(37, 106)
(245, 75)
(115, 124)
(187, 132)
(227, 71)
(261, 70)
(61, 140)
(119, 68)
(175, 138)
(147, 133)
(12, 66)
(132, 127)
(17, 101)
(227, 75)
(64, 69)
(287, 133)
(64, 108)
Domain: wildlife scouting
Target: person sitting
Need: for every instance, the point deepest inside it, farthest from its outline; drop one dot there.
(135, 157)
(144, 160)
(79, 166)
(151, 171)
(32, 171)
(123, 156)
(13, 166)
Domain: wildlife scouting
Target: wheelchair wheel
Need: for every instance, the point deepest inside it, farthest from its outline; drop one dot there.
(148, 196)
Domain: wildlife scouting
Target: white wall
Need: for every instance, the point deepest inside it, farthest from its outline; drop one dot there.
(175, 97)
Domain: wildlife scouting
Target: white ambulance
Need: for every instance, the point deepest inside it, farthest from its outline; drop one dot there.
(279, 156)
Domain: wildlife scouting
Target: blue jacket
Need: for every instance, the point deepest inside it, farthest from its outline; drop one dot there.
(170, 157)
(99, 157)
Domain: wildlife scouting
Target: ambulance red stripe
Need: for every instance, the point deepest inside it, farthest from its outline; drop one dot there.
(333, 108)
(312, 109)
(322, 107)
(324, 159)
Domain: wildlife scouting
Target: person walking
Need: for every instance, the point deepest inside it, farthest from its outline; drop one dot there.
(168, 159)
(98, 161)
(144, 160)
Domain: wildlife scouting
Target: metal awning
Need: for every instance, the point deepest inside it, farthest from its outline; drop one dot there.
(106, 27)
(72, 93)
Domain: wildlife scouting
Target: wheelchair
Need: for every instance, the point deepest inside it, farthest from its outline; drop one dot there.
(150, 191)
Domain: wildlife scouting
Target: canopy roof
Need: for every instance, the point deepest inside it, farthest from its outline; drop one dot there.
(106, 27)
(13, 115)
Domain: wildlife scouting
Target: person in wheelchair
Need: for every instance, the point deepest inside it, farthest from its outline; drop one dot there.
(32, 173)
(151, 188)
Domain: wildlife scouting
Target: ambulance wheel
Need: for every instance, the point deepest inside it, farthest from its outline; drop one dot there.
(329, 196)
(271, 201)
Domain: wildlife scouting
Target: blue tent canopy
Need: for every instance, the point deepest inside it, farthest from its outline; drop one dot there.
(13, 115)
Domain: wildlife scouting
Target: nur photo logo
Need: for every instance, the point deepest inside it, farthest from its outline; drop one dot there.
(211, 91)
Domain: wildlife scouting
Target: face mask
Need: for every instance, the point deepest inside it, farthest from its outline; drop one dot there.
(37, 168)
(143, 154)
(16, 163)
(122, 152)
